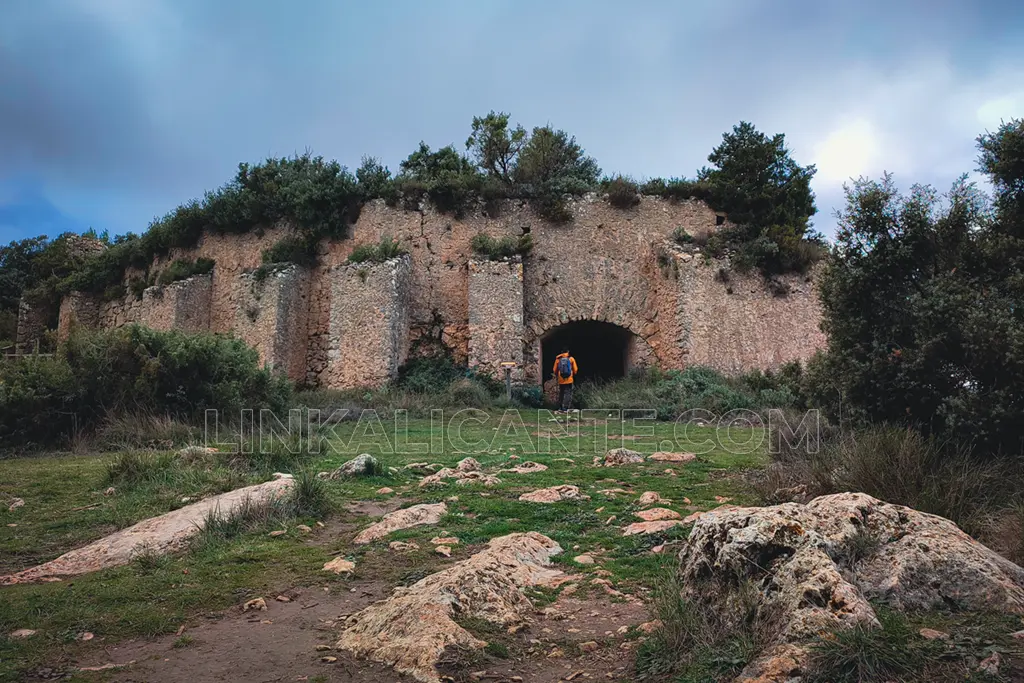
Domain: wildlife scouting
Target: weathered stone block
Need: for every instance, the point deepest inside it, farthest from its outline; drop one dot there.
(77, 310)
(369, 322)
(496, 316)
(270, 313)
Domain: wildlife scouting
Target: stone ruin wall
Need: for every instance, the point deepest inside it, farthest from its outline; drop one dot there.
(614, 265)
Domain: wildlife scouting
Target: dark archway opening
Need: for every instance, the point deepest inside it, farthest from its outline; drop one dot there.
(601, 349)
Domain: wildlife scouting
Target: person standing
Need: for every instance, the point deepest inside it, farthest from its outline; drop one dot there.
(565, 370)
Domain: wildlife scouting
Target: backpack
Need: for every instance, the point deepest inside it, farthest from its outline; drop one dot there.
(564, 367)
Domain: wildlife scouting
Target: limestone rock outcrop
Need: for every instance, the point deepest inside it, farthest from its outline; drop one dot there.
(817, 566)
(416, 515)
(411, 629)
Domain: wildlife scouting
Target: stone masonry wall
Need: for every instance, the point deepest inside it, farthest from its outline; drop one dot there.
(77, 310)
(496, 316)
(615, 265)
(182, 305)
(369, 322)
(32, 321)
(271, 312)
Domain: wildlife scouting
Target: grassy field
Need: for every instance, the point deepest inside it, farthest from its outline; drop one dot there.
(68, 503)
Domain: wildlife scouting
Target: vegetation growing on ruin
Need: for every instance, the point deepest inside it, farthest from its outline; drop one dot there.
(380, 252)
(182, 269)
(494, 249)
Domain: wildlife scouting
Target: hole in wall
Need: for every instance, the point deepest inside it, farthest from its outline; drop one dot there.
(602, 350)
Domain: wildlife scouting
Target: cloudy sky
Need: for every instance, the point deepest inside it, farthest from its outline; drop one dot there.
(113, 112)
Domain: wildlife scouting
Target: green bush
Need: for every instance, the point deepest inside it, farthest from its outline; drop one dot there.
(495, 249)
(430, 374)
(623, 192)
(297, 249)
(384, 250)
(99, 374)
(182, 269)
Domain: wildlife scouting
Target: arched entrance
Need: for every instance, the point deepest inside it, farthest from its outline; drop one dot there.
(602, 350)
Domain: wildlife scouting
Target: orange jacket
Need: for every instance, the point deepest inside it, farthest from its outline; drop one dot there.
(565, 380)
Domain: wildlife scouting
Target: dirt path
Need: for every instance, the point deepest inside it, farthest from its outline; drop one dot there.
(241, 646)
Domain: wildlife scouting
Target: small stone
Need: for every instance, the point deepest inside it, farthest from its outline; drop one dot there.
(22, 633)
(110, 491)
(589, 646)
(283, 598)
(12, 525)
(321, 525)
(932, 634)
(649, 527)
(323, 648)
(186, 499)
(15, 504)
(339, 566)
(610, 520)
(662, 456)
(279, 532)
(443, 550)
(303, 528)
(444, 541)
(583, 559)
(650, 627)
(657, 514)
(990, 665)
(402, 546)
(670, 472)
(84, 636)
(258, 604)
(622, 456)
(600, 509)
(361, 465)
(385, 491)
(328, 660)
(1019, 635)
(557, 652)
(658, 549)
(722, 499)
(570, 588)
(648, 498)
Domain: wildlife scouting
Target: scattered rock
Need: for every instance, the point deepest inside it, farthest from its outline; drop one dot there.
(339, 566)
(611, 493)
(328, 659)
(283, 598)
(444, 540)
(423, 467)
(85, 636)
(527, 467)
(691, 518)
(110, 491)
(722, 499)
(468, 465)
(990, 665)
(405, 518)
(411, 629)
(191, 453)
(589, 646)
(583, 559)
(385, 491)
(650, 627)
(915, 562)
(304, 529)
(795, 494)
(1019, 635)
(621, 456)
(256, 604)
(186, 499)
(278, 532)
(657, 550)
(649, 527)
(462, 477)
(662, 456)
(554, 494)
(402, 546)
(648, 498)
(323, 648)
(166, 533)
(444, 550)
(657, 514)
(610, 520)
(21, 633)
(359, 466)
(670, 472)
(932, 634)
(15, 504)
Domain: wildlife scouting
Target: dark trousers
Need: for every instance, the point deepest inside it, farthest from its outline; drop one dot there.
(564, 396)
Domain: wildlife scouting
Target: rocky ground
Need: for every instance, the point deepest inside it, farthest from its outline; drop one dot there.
(501, 563)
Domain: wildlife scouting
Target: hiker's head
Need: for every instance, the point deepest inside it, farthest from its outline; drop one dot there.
(565, 349)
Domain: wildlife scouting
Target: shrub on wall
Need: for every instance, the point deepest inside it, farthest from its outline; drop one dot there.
(100, 374)
(182, 269)
(384, 250)
(493, 249)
